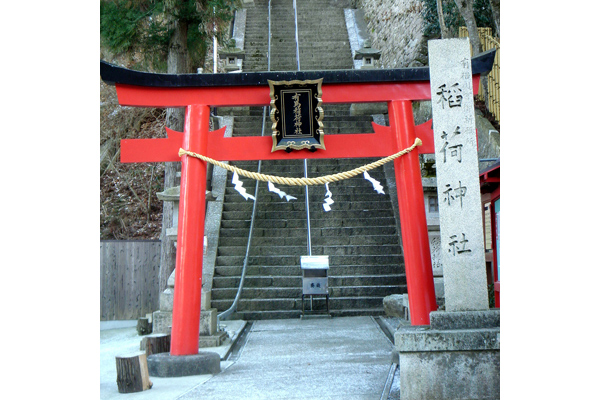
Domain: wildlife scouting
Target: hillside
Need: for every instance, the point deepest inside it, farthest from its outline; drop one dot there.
(129, 208)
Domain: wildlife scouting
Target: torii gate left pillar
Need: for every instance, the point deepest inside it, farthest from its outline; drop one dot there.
(196, 92)
(185, 327)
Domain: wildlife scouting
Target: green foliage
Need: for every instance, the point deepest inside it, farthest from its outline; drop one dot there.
(120, 24)
(143, 26)
(452, 18)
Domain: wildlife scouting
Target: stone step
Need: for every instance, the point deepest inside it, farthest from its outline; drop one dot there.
(334, 260)
(279, 269)
(257, 293)
(357, 182)
(357, 281)
(266, 315)
(314, 223)
(353, 186)
(284, 304)
(333, 214)
(224, 282)
(301, 239)
(341, 233)
(316, 196)
(314, 168)
(299, 205)
(357, 248)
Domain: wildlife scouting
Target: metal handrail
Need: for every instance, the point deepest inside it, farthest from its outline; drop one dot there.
(308, 244)
(233, 308)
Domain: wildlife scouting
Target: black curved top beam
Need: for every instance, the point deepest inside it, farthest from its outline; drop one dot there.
(111, 74)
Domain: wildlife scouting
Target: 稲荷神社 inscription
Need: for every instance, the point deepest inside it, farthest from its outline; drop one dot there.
(457, 170)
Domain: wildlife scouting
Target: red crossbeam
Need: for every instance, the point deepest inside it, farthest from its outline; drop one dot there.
(378, 144)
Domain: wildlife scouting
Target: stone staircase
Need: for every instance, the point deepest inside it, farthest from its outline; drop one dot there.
(359, 234)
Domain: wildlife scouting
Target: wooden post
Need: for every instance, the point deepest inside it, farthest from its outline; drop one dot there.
(156, 343)
(413, 223)
(185, 328)
(132, 373)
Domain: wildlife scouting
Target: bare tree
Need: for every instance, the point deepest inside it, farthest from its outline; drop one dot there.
(465, 8)
(495, 4)
(443, 29)
(177, 63)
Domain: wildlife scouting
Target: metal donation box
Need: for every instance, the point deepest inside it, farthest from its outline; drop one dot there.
(314, 278)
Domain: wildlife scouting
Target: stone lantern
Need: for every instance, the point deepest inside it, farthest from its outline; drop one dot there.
(368, 55)
(233, 57)
(210, 336)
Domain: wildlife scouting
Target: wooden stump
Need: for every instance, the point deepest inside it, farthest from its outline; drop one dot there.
(132, 373)
(156, 343)
(144, 326)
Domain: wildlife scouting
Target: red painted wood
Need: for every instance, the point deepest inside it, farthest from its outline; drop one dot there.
(378, 144)
(152, 150)
(190, 235)
(141, 96)
(413, 222)
(425, 133)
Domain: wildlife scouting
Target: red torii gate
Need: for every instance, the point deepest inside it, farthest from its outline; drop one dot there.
(198, 92)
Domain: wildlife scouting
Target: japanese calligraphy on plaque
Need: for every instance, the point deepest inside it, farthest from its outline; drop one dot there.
(297, 115)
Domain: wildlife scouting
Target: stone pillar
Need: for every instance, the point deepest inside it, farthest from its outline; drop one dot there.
(458, 355)
(162, 319)
(457, 172)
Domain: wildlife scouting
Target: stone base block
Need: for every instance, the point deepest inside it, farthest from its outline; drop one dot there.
(457, 357)
(165, 300)
(448, 320)
(393, 305)
(450, 375)
(208, 322)
(162, 321)
(165, 365)
(213, 340)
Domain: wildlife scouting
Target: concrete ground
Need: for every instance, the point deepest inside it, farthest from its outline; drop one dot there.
(337, 358)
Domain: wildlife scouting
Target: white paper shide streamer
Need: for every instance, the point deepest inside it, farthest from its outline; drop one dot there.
(328, 200)
(376, 185)
(281, 193)
(238, 186)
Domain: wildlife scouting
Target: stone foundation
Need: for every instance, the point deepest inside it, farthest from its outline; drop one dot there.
(457, 357)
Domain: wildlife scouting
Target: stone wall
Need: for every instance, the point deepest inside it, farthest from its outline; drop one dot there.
(396, 28)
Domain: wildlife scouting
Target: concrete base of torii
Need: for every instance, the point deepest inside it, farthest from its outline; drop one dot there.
(166, 366)
(456, 357)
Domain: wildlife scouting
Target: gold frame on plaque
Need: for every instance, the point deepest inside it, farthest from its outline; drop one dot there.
(311, 137)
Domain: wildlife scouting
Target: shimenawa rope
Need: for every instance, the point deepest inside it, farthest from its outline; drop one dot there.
(303, 181)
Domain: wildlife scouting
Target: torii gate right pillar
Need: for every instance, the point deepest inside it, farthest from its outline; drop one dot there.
(413, 222)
